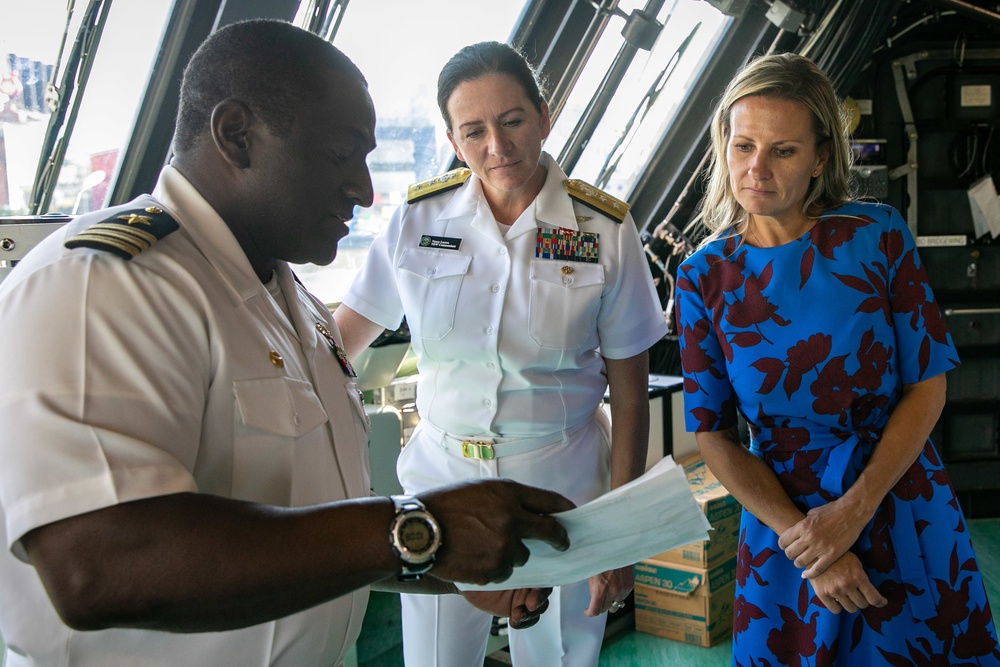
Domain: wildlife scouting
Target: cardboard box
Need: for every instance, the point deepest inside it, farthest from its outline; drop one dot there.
(721, 510)
(702, 620)
(720, 546)
(684, 580)
(685, 603)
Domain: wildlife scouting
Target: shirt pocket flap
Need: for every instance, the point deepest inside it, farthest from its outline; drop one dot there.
(432, 264)
(570, 275)
(283, 406)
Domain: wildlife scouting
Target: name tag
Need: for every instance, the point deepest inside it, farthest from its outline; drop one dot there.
(445, 242)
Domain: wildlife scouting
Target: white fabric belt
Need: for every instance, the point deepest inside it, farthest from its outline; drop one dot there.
(489, 447)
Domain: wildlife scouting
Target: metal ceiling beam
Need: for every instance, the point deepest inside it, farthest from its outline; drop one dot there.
(640, 32)
(676, 160)
(558, 36)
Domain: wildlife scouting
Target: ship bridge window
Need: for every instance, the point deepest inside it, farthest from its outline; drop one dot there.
(605, 137)
(607, 146)
(33, 52)
(107, 144)
(401, 46)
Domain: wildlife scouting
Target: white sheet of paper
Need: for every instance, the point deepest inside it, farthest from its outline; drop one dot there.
(645, 517)
(985, 207)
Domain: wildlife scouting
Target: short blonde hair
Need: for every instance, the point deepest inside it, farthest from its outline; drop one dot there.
(786, 76)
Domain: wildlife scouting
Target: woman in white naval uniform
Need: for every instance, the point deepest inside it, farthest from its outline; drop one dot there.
(527, 295)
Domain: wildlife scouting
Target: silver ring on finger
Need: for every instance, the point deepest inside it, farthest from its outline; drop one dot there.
(616, 605)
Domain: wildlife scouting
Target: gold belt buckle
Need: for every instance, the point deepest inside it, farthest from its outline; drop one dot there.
(472, 449)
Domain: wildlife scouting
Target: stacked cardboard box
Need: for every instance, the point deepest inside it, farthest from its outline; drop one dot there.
(687, 593)
(685, 603)
(722, 511)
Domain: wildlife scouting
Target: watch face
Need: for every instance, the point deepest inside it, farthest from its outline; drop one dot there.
(416, 535)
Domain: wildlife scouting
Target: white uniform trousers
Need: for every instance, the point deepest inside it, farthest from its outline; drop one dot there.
(446, 631)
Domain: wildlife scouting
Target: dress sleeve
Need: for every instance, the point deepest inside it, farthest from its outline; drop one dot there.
(924, 346)
(709, 398)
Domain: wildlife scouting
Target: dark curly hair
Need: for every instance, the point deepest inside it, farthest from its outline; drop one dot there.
(268, 65)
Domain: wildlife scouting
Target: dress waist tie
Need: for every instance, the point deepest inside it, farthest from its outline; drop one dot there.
(844, 464)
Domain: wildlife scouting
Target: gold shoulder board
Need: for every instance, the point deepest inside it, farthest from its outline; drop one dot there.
(126, 233)
(596, 199)
(438, 184)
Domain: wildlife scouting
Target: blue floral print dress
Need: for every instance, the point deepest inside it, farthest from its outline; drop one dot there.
(812, 342)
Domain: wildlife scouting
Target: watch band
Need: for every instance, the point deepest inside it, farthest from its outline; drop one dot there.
(415, 536)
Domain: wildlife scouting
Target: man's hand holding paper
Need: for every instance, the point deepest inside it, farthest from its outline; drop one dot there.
(645, 517)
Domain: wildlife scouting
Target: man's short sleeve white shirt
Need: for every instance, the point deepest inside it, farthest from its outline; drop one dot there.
(171, 372)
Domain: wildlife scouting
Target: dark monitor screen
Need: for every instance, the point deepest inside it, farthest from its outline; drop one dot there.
(869, 152)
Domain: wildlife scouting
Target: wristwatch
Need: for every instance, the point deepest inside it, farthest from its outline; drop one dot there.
(415, 536)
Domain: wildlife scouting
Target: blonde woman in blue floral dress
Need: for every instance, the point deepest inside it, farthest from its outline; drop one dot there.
(810, 315)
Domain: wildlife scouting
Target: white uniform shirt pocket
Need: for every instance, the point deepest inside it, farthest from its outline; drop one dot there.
(282, 406)
(14, 658)
(275, 438)
(564, 302)
(429, 283)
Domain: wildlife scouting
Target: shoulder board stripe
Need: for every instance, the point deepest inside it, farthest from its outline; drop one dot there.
(97, 242)
(137, 237)
(438, 184)
(596, 199)
(97, 235)
(126, 234)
